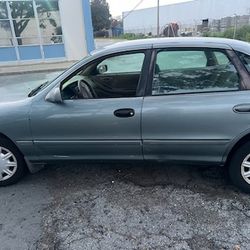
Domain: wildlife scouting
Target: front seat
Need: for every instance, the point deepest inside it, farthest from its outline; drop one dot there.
(85, 90)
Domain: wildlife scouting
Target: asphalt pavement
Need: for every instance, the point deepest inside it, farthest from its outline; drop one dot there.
(140, 206)
(16, 87)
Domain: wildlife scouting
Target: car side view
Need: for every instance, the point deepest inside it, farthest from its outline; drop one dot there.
(182, 100)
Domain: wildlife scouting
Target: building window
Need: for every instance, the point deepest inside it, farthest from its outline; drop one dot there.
(5, 29)
(24, 22)
(30, 23)
(49, 21)
(3, 11)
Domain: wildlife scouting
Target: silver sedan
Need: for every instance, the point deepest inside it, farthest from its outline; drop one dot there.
(182, 100)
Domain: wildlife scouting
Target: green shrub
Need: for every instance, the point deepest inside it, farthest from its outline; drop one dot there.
(242, 33)
(132, 36)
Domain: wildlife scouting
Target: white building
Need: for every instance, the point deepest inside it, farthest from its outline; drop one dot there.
(44, 30)
(186, 14)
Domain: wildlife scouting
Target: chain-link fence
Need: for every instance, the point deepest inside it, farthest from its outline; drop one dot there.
(197, 28)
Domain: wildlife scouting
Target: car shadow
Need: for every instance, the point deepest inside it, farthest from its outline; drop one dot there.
(212, 181)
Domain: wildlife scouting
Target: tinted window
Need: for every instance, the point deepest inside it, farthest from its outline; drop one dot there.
(181, 59)
(185, 71)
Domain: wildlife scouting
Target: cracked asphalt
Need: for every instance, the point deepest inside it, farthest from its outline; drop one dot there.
(140, 206)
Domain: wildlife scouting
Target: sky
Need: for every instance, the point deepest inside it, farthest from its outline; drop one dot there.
(119, 6)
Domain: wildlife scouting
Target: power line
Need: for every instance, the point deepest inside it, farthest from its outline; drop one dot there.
(137, 5)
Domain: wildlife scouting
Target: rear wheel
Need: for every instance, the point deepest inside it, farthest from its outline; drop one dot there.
(239, 167)
(12, 164)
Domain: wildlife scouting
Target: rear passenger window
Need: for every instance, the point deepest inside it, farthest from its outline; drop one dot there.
(181, 59)
(190, 71)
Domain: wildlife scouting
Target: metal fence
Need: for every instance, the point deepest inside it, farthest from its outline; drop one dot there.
(196, 28)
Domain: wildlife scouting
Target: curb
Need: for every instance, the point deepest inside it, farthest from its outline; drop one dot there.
(32, 71)
(34, 68)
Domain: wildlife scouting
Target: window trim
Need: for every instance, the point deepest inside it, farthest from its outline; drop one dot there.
(243, 67)
(143, 81)
(243, 75)
(245, 83)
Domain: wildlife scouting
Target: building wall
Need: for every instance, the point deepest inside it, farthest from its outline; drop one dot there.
(65, 33)
(185, 14)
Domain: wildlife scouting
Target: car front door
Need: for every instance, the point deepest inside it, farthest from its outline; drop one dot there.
(98, 118)
(188, 114)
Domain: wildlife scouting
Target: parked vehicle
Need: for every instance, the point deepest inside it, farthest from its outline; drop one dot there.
(184, 100)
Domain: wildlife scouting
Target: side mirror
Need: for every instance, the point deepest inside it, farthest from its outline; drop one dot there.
(102, 69)
(54, 95)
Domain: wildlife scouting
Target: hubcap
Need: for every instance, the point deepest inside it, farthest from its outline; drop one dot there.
(245, 169)
(8, 164)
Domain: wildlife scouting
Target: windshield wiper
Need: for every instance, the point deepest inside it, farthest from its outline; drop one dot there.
(37, 89)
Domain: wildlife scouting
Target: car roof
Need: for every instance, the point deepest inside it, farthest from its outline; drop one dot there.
(210, 42)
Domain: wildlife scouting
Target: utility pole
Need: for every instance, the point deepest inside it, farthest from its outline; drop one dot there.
(235, 25)
(158, 18)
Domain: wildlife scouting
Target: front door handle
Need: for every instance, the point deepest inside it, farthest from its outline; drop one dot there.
(242, 108)
(123, 113)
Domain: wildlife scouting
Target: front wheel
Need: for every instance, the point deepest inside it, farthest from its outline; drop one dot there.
(239, 167)
(12, 164)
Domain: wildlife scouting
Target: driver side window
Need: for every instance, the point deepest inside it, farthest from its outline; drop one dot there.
(113, 77)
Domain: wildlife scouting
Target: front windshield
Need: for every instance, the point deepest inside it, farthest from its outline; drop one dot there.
(52, 77)
(44, 84)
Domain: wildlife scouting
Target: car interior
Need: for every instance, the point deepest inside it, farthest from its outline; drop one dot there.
(215, 75)
(95, 82)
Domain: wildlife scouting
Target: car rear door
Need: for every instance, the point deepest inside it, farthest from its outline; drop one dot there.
(189, 114)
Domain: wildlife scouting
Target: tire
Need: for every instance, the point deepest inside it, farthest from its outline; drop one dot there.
(12, 164)
(239, 171)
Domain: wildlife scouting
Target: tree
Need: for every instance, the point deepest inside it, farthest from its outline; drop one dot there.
(100, 15)
(22, 11)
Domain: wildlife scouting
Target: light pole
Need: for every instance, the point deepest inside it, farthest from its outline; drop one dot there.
(235, 25)
(158, 18)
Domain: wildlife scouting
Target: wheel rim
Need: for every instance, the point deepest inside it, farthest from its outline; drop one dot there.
(8, 164)
(245, 169)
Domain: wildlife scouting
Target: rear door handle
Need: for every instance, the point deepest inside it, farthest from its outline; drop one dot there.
(242, 108)
(123, 113)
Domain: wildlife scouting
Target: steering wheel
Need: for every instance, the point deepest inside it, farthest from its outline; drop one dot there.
(85, 90)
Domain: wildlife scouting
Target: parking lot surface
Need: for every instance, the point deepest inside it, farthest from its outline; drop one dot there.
(121, 206)
(124, 206)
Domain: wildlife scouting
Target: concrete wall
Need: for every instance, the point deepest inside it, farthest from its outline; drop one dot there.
(73, 29)
(186, 14)
(77, 29)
